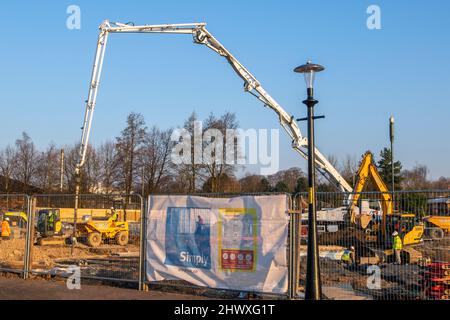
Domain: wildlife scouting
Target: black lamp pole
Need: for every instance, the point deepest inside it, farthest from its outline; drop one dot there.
(391, 138)
(313, 283)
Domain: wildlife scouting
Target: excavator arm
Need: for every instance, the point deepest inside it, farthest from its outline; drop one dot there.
(202, 36)
(367, 170)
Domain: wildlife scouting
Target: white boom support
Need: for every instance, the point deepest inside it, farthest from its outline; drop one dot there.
(202, 36)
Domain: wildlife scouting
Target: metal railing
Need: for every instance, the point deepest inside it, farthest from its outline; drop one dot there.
(102, 246)
(356, 243)
(14, 217)
(359, 257)
(186, 287)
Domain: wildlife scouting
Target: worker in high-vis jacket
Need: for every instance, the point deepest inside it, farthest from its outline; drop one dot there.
(6, 230)
(114, 215)
(348, 257)
(397, 246)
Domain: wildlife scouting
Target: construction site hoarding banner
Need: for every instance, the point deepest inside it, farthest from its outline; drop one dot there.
(236, 243)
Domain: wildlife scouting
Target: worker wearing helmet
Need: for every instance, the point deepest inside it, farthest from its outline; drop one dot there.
(51, 221)
(6, 230)
(397, 246)
(348, 257)
(114, 215)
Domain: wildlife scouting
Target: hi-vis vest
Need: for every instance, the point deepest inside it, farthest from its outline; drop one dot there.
(397, 244)
(346, 255)
(6, 231)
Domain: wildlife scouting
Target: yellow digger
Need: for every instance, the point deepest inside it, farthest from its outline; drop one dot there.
(51, 230)
(405, 223)
(379, 228)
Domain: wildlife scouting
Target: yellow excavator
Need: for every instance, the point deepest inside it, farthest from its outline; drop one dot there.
(371, 229)
(406, 224)
(49, 229)
(368, 171)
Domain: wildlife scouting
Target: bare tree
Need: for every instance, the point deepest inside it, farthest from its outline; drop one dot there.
(107, 157)
(26, 163)
(349, 168)
(189, 172)
(217, 168)
(289, 177)
(188, 175)
(154, 160)
(127, 145)
(252, 183)
(70, 159)
(416, 178)
(48, 169)
(7, 165)
(442, 183)
(92, 172)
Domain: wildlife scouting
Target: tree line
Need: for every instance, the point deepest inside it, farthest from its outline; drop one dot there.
(138, 160)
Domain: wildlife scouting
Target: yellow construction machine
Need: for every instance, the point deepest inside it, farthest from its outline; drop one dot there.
(382, 225)
(94, 231)
(437, 222)
(52, 231)
(371, 228)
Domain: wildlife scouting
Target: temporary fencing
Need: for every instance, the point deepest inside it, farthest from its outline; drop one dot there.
(128, 239)
(360, 255)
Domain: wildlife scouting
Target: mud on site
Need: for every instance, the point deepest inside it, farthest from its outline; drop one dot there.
(122, 262)
(400, 281)
(107, 261)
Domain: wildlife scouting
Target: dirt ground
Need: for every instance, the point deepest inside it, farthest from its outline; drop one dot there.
(14, 288)
(49, 256)
(12, 251)
(108, 260)
(437, 250)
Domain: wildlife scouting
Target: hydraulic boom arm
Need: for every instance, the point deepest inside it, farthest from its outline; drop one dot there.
(202, 36)
(368, 170)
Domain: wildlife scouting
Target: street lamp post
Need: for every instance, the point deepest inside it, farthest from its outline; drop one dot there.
(313, 284)
(391, 137)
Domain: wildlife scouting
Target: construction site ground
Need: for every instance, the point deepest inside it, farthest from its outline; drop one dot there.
(108, 260)
(116, 262)
(12, 287)
(400, 281)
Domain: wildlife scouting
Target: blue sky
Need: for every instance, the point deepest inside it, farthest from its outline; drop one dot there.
(401, 70)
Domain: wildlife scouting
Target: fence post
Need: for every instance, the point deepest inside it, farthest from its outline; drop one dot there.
(293, 277)
(25, 262)
(143, 246)
(29, 236)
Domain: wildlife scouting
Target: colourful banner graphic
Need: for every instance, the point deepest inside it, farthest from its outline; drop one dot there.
(234, 243)
(238, 239)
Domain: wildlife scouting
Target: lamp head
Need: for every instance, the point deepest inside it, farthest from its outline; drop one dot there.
(309, 70)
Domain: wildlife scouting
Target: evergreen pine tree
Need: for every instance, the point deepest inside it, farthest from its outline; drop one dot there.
(385, 169)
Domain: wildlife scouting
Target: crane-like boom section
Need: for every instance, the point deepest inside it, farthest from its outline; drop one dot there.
(202, 36)
(368, 171)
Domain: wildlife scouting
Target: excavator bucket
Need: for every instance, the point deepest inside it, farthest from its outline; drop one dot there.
(364, 220)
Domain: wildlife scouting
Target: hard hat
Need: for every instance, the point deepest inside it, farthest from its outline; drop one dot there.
(395, 233)
(352, 248)
(112, 208)
(7, 219)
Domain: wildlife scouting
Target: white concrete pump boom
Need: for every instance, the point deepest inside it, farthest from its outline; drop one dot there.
(202, 36)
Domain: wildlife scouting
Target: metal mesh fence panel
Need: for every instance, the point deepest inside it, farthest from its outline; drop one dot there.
(13, 228)
(101, 238)
(381, 246)
(189, 227)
